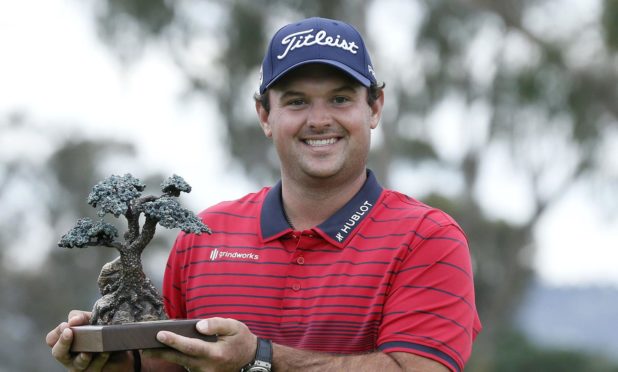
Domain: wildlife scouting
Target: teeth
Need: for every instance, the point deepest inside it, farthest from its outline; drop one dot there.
(320, 142)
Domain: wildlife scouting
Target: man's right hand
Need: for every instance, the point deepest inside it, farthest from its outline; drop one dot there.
(61, 337)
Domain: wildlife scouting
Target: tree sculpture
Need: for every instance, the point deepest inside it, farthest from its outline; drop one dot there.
(127, 293)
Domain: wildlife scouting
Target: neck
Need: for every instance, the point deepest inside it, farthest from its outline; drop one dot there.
(309, 204)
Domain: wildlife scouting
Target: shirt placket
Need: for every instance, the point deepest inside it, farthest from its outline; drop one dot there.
(293, 294)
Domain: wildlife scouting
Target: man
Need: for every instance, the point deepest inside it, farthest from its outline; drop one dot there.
(326, 271)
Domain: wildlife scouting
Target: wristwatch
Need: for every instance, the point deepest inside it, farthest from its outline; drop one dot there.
(263, 357)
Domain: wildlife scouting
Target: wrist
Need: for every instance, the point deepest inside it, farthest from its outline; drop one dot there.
(263, 357)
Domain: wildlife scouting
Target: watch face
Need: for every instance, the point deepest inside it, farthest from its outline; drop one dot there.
(259, 366)
(258, 369)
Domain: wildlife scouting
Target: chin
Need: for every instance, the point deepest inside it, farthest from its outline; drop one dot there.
(328, 172)
(323, 174)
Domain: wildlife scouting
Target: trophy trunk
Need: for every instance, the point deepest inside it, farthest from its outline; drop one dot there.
(127, 293)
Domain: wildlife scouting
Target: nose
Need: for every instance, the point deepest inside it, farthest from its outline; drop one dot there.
(319, 116)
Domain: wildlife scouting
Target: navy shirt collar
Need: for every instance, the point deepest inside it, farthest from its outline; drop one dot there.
(337, 229)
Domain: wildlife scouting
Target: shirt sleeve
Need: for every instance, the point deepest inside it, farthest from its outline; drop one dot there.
(430, 307)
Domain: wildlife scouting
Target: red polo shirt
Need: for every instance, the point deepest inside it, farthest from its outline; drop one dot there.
(385, 272)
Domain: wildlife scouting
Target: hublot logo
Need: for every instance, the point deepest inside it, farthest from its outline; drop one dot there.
(353, 220)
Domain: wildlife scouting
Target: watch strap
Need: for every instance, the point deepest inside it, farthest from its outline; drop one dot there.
(263, 357)
(264, 350)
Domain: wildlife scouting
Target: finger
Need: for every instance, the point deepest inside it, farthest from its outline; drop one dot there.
(235, 339)
(99, 361)
(82, 361)
(61, 349)
(62, 352)
(186, 345)
(216, 326)
(54, 335)
(79, 317)
(170, 355)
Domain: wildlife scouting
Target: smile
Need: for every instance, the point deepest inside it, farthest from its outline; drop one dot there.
(320, 142)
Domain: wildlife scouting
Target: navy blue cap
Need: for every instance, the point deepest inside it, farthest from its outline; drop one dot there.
(317, 40)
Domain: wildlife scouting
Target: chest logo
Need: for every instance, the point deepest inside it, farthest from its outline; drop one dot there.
(216, 254)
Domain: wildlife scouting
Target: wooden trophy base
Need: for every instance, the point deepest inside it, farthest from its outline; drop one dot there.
(131, 336)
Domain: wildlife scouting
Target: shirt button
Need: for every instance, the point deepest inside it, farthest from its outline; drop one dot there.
(300, 260)
(296, 286)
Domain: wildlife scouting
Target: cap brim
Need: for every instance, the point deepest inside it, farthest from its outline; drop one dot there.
(350, 71)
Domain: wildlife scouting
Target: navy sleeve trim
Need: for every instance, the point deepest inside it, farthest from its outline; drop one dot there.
(423, 348)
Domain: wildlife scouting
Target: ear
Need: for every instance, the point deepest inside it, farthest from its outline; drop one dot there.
(376, 110)
(262, 114)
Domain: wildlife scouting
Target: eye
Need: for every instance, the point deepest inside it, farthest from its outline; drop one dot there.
(296, 102)
(340, 99)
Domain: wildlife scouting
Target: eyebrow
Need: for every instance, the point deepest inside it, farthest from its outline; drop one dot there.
(346, 87)
(293, 93)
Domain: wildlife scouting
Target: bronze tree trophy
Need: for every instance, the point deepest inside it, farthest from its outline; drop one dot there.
(130, 311)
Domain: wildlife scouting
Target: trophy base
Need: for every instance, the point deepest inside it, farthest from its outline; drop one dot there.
(131, 336)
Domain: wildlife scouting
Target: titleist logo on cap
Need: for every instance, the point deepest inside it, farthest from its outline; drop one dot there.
(302, 39)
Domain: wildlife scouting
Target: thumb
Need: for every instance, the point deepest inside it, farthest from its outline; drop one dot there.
(214, 326)
(78, 317)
